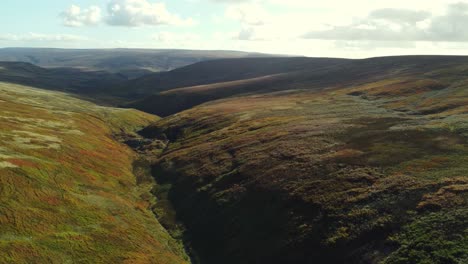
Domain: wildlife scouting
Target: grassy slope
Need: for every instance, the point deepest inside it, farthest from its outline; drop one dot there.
(358, 173)
(67, 190)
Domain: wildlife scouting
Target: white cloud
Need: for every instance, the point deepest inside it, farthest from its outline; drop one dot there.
(258, 24)
(337, 28)
(171, 37)
(77, 17)
(41, 37)
(249, 14)
(180, 40)
(230, 1)
(132, 13)
(357, 7)
(365, 28)
(402, 25)
(404, 16)
(247, 33)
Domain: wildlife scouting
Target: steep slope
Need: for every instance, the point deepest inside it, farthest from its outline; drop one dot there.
(68, 193)
(284, 74)
(131, 63)
(372, 169)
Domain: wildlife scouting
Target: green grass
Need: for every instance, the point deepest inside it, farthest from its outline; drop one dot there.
(439, 237)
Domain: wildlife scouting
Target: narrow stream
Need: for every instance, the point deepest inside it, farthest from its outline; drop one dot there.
(161, 206)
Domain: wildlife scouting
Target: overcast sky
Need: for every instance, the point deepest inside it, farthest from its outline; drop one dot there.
(332, 28)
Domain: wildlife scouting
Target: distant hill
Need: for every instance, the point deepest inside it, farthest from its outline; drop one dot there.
(223, 70)
(131, 63)
(71, 80)
(115, 87)
(212, 80)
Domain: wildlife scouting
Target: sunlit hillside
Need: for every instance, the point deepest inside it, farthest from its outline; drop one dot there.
(67, 189)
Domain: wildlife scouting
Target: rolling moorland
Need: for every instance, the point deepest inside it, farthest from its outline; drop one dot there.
(262, 160)
(131, 63)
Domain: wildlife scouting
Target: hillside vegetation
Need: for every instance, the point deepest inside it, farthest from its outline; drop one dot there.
(360, 165)
(68, 193)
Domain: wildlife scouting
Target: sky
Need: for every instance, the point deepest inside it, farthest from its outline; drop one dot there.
(318, 28)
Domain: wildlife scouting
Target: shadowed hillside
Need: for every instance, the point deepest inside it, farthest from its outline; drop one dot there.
(223, 70)
(63, 79)
(365, 163)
